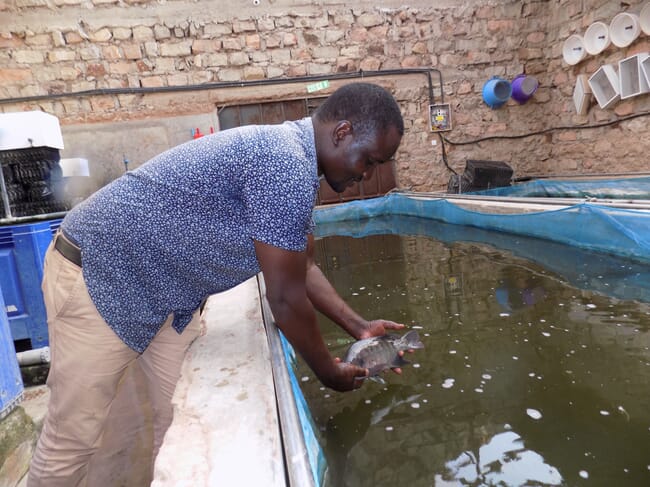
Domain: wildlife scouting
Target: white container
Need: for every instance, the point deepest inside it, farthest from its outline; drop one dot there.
(645, 69)
(605, 86)
(582, 94)
(596, 38)
(22, 130)
(631, 77)
(624, 29)
(573, 50)
(644, 19)
(74, 166)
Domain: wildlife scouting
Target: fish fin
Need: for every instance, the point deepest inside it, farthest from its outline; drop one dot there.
(377, 379)
(399, 361)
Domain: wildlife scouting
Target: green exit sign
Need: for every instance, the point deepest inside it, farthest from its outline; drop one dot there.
(321, 85)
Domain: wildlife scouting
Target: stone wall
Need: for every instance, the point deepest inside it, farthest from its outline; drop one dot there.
(126, 62)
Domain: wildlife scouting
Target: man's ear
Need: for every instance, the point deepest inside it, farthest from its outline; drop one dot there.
(341, 130)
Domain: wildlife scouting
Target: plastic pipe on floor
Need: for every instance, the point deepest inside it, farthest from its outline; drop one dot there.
(36, 356)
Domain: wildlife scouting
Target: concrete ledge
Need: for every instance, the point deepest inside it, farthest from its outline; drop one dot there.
(225, 429)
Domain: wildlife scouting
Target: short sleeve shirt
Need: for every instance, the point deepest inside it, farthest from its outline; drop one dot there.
(161, 238)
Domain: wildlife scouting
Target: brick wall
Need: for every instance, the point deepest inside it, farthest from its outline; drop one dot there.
(54, 49)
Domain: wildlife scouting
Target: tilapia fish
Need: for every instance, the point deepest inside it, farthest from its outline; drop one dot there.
(380, 353)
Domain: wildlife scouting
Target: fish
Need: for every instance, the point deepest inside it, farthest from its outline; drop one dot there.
(380, 353)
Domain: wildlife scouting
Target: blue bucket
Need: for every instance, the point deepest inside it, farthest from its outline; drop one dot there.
(496, 91)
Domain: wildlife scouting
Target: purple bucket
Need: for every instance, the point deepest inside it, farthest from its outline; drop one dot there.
(523, 87)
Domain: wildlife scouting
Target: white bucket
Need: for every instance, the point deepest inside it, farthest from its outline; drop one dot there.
(597, 38)
(573, 50)
(644, 19)
(624, 29)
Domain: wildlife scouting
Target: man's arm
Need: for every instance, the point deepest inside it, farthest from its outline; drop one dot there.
(284, 275)
(326, 300)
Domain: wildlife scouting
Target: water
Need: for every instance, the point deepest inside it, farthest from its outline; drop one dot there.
(535, 371)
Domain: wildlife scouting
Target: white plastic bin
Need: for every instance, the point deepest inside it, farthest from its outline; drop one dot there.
(582, 94)
(644, 66)
(631, 77)
(604, 85)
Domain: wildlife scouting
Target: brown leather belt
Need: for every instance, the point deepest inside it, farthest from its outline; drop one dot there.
(67, 249)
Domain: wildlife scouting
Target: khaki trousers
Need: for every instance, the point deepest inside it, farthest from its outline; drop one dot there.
(87, 362)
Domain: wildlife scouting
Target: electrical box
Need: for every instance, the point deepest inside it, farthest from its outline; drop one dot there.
(440, 117)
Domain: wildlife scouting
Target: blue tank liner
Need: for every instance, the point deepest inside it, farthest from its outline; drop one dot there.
(606, 274)
(611, 230)
(624, 188)
(317, 460)
(11, 383)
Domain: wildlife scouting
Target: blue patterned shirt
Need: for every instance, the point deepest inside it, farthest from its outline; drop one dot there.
(163, 237)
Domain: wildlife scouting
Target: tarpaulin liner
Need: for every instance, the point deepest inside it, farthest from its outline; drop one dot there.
(606, 274)
(627, 188)
(587, 226)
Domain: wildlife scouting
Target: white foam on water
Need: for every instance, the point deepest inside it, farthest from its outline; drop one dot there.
(389, 428)
(534, 413)
(514, 357)
(478, 389)
(584, 474)
(546, 334)
(604, 413)
(503, 315)
(304, 378)
(415, 405)
(452, 352)
(486, 376)
(416, 366)
(448, 383)
(591, 306)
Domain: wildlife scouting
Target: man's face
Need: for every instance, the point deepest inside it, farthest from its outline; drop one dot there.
(350, 160)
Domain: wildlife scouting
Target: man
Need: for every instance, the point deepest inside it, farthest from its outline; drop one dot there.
(125, 276)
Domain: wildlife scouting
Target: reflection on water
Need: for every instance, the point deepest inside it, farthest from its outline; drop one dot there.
(502, 461)
(533, 373)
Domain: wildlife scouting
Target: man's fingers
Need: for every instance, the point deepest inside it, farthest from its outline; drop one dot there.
(393, 326)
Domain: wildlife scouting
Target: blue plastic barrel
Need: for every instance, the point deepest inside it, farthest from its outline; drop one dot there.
(496, 91)
(22, 251)
(11, 383)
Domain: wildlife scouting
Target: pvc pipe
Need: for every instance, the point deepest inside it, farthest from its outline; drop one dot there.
(36, 356)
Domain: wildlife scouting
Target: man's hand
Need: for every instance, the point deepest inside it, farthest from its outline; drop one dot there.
(346, 377)
(377, 328)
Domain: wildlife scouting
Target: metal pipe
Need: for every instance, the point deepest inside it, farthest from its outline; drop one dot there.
(36, 356)
(237, 84)
(21, 219)
(295, 448)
